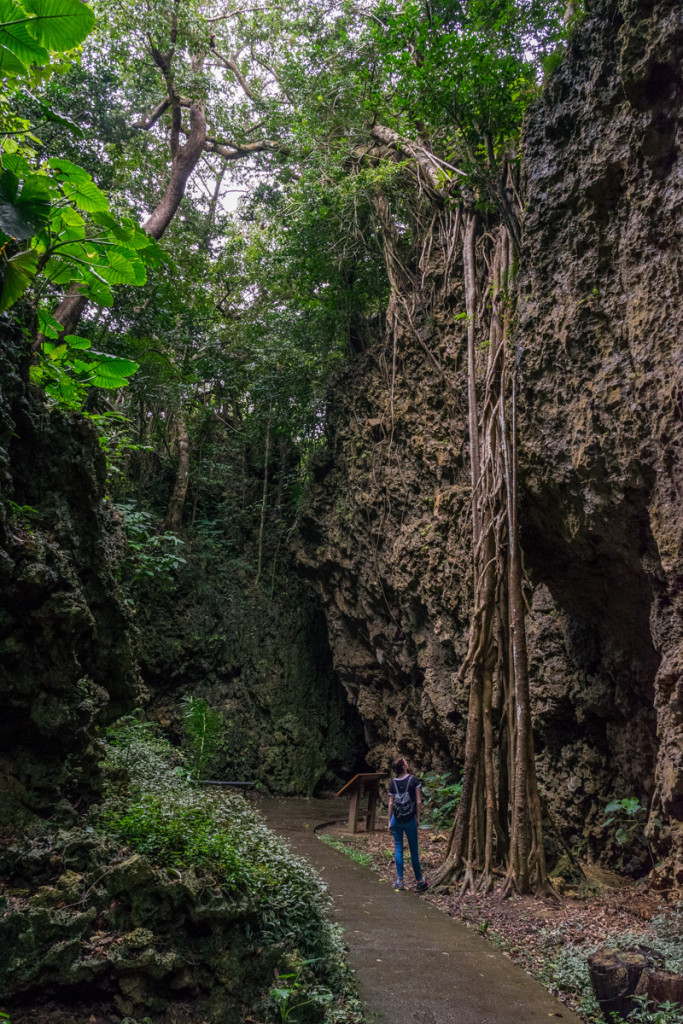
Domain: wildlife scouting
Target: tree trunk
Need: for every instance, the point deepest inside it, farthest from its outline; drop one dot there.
(174, 515)
(185, 159)
(614, 976)
(661, 986)
(264, 498)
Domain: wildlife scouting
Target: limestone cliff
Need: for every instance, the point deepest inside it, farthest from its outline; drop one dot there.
(65, 633)
(599, 342)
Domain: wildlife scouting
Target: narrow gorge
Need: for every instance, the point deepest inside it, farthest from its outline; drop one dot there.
(237, 495)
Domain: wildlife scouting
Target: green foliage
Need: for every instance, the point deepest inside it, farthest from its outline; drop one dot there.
(150, 556)
(157, 812)
(629, 816)
(645, 1012)
(30, 29)
(177, 835)
(140, 761)
(290, 995)
(204, 728)
(441, 796)
(56, 227)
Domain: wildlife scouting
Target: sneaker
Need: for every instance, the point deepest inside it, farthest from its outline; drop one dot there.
(422, 886)
(399, 886)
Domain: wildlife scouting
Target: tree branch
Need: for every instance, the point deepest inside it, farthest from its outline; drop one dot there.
(150, 121)
(231, 64)
(235, 151)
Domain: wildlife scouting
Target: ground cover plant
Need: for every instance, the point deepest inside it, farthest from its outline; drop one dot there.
(171, 904)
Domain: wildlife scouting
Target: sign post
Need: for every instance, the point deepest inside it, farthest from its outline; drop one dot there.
(357, 788)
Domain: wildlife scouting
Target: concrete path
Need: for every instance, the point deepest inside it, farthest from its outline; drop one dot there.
(413, 963)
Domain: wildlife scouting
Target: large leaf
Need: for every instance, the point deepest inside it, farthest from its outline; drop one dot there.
(119, 271)
(86, 196)
(16, 163)
(61, 271)
(100, 293)
(67, 171)
(9, 62)
(115, 365)
(111, 372)
(22, 214)
(16, 223)
(59, 24)
(74, 341)
(18, 45)
(48, 325)
(19, 272)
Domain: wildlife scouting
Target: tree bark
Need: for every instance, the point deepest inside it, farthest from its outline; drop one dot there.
(264, 498)
(174, 515)
(185, 159)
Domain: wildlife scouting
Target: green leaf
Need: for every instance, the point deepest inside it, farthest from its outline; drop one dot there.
(15, 223)
(68, 171)
(104, 219)
(115, 366)
(19, 165)
(71, 217)
(48, 325)
(19, 272)
(86, 196)
(18, 44)
(36, 189)
(73, 341)
(21, 215)
(613, 807)
(119, 271)
(100, 293)
(60, 271)
(9, 62)
(59, 24)
(621, 836)
(9, 186)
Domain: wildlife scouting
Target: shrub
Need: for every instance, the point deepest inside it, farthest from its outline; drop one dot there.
(180, 827)
(441, 794)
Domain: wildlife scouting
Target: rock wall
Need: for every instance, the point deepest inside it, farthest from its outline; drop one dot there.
(599, 342)
(260, 657)
(67, 662)
(601, 323)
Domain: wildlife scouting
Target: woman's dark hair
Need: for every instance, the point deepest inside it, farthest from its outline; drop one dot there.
(399, 766)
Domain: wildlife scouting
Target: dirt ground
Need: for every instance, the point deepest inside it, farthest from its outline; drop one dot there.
(593, 912)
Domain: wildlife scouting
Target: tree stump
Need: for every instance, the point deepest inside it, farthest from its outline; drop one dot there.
(614, 975)
(661, 986)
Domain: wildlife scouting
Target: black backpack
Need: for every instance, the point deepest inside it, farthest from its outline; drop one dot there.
(404, 805)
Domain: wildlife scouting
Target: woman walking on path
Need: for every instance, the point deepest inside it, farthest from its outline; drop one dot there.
(405, 808)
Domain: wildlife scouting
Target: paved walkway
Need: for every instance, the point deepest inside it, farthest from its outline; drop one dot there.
(413, 963)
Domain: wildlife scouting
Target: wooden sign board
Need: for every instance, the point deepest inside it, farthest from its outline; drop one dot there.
(356, 788)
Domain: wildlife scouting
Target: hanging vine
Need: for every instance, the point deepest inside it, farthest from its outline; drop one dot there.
(498, 828)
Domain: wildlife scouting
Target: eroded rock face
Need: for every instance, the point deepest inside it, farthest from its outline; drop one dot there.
(601, 324)
(600, 349)
(65, 634)
(114, 930)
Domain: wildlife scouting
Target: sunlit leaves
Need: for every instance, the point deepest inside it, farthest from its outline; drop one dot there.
(57, 25)
(19, 271)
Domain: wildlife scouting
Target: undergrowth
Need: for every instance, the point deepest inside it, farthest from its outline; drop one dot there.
(153, 807)
(565, 968)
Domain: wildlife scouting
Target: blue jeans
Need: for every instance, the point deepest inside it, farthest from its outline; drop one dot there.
(410, 830)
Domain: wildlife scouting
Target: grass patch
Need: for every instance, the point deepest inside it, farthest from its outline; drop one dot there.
(349, 851)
